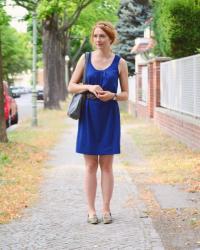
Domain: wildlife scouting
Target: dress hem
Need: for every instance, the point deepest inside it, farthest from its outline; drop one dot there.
(89, 153)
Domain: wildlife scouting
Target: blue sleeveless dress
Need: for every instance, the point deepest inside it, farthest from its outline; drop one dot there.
(99, 125)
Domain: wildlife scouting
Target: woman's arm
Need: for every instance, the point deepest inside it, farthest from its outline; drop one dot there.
(75, 86)
(123, 78)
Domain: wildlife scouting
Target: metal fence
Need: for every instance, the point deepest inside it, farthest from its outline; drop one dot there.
(144, 87)
(180, 85)
(132, 88)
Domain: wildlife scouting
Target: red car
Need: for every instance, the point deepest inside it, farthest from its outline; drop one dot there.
(10, 108)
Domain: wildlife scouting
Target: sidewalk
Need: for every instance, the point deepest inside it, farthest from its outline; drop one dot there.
(58, 220)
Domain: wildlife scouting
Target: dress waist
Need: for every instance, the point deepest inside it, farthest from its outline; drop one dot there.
(90, 95)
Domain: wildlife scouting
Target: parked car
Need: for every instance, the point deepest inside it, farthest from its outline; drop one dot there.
(21, 89)
(14, 91)
(10, 108)
(40, 93)
(27, 89)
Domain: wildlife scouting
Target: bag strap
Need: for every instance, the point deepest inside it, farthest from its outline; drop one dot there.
(85, 68)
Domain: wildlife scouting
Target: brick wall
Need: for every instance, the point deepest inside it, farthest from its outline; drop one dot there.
(182, 127)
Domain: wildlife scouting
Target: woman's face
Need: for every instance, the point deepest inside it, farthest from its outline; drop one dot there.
(101, 39)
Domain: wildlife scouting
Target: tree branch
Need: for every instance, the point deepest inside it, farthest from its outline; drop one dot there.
(28, 4)
(83, 4)
(78, 52)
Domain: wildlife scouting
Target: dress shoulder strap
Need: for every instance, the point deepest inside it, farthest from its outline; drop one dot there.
(116, 60)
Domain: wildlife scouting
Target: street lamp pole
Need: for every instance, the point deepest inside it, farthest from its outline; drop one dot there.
(67, 69)
(34, 72)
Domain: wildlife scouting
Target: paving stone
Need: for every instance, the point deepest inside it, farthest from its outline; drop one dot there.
(58, 220)
(174, 196)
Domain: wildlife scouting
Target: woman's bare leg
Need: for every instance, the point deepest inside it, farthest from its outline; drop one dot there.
(107, 180)
(91, 165)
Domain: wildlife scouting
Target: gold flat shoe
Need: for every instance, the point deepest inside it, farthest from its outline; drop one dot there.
(93, 219)
(107, 218)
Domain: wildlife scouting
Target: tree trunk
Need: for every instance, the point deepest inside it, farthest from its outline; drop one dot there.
(51, 54)
(3, 135)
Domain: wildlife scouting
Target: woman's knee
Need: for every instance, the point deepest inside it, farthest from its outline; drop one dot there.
(106, 168)
(91, 164)
(91, 168)
(105, 163)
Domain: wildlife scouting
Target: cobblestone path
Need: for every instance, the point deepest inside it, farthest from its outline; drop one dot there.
(58, 220)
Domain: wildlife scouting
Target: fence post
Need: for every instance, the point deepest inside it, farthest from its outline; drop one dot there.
(138, 84)
(150, 92)
(154, 83)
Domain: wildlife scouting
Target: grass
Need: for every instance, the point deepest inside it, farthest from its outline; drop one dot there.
(166, 161)
(170, 160)
(22, 160)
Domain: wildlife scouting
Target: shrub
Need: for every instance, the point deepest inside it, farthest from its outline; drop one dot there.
(176, 25)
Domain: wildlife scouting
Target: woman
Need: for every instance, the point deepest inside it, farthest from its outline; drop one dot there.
(99, 126)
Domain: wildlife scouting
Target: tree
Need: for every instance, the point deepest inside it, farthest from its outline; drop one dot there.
(14, 58)
(3, 135)
(132, 16)
(176, 26)
(58, 33)
(57, 18)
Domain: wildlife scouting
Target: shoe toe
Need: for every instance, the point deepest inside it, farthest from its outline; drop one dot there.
(93, 219)
(107, 218)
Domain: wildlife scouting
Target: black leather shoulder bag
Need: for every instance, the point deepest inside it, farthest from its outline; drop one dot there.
(78, 100)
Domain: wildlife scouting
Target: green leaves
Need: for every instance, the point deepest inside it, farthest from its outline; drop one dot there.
(16, 51)
(14, 47)
(176, 26)
(96, 11)
(48, 8)
(4, 159)
(4, 18)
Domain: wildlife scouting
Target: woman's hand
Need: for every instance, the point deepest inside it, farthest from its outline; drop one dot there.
(95, 89)
(105, 95)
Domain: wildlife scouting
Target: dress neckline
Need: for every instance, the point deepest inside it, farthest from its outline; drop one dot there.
(101, 69)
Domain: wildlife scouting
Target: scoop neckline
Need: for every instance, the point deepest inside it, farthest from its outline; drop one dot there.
(101, 69)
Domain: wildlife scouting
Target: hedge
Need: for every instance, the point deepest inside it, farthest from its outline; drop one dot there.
(176, 24)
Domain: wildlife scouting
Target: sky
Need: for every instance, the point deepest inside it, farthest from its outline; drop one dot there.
(17, 13)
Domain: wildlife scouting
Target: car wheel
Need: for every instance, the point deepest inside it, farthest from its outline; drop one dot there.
(8, 121)
(15, 119)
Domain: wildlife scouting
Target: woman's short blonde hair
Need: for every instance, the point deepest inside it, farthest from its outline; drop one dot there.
(108, 28)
